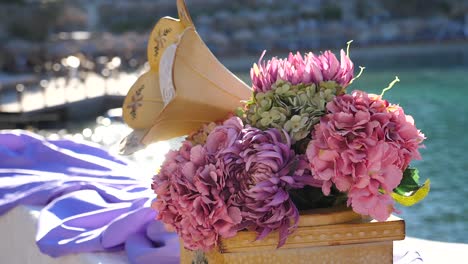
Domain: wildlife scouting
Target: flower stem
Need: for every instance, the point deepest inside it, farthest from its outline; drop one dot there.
(347, 48)
(390, 86)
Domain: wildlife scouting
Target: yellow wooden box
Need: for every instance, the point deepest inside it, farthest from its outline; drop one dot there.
(323, 236)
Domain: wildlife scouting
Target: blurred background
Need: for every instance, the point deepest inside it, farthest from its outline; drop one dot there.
(65, 67)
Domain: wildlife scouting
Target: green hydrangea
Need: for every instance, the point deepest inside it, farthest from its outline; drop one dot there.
(294, 108)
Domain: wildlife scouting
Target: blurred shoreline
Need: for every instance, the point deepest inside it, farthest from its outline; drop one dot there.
(231, 29)
(435, 55)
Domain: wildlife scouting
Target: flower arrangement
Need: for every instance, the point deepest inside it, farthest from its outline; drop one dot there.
(301, 142)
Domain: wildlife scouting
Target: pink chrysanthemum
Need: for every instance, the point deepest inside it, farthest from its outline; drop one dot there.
(305, 69)
(362, 146)
(190, 198)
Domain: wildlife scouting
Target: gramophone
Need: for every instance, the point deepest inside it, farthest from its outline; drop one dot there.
(185, 87)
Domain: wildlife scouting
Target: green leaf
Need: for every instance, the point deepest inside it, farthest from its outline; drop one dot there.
(312, 198)
(410, 192)
(239, 112)
(409, 183)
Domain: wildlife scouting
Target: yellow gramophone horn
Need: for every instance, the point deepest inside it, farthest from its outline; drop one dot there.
(183, 13)
(185, 88)
(165, 33)
(143, 102)
(132, 143)
(205, 91)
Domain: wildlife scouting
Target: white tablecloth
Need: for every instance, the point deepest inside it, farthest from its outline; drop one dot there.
(18, 245)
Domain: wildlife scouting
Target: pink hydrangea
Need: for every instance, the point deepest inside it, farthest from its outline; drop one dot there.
(190, 198)
(305, 69)
(362, 146)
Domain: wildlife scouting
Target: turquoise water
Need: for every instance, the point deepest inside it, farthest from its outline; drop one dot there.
(437, 99)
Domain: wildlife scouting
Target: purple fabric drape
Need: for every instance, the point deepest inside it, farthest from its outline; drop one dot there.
(92, 201)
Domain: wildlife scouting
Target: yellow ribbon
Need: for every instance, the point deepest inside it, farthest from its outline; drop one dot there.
(415, 197)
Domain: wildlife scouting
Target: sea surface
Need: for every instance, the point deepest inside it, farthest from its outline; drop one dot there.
(437, 98)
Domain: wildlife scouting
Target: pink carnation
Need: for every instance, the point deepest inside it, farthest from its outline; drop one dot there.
(297, 69)
(224, 136)
(190, 198)
(362, 146)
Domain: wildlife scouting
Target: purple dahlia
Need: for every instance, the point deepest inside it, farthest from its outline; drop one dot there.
(260, 170)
